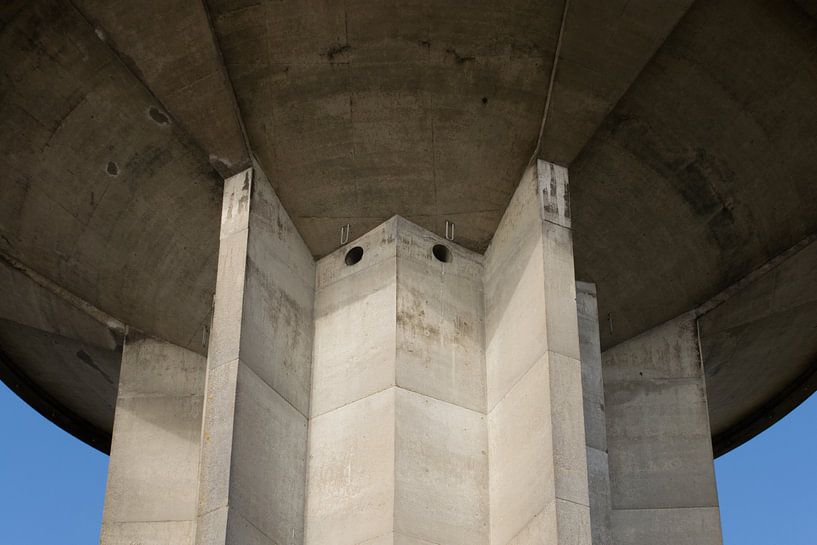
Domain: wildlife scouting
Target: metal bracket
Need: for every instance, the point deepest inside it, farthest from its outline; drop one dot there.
(344, 234)
(449, 230)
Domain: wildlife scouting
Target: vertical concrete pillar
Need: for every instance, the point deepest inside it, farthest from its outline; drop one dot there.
(595, 426)
(660, 451)
(153, 469)
(254, 434)
(537, 456)
(441, 443)
(397, 435)
(352, 422)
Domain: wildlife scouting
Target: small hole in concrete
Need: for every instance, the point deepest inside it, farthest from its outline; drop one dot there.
(441, 252)
(354, 256)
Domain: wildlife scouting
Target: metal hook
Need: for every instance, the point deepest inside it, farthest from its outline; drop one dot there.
(344, 234)
(449, 230)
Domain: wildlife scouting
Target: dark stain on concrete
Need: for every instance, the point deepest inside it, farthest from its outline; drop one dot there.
(158, 116)
(86, 358)
(460, 59)
(222, 168)
(567, 199)
(335, 50)
(702, 180)
(149, 161)
(246, 191)
(112, 169)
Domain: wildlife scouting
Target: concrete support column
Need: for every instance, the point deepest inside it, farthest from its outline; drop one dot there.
(660, 451)
(153, 470)
(397, 434)
(595, 425)
(537, 454)
(253, 456)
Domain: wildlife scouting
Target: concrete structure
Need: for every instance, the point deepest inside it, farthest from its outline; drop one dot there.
(595, 423)
(425, 401)
(153, 472)
(254, 431)
(661, 472)
(173, 179)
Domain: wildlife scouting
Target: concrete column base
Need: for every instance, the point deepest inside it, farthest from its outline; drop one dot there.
(660, 447)
(153, 470)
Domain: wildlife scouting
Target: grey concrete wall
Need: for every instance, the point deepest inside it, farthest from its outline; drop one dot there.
(441, 492)
(537, 457)
(254, 435)
(660, 452)
(350, 486)
(595, 426)
(404, 399)
(397, 436)
(153, 469)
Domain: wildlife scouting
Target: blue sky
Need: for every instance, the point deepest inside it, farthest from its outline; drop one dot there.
(52, 485)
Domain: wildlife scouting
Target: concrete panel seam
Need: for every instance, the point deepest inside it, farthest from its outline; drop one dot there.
(530, 368)
(268, 385)
(75, 301)
(367, 396)
(397, 386)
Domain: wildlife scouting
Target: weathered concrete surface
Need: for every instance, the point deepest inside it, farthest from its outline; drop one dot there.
(424, 110)
(702, 172)
(169, 46)
(397, 437)
(59, 358)
(772, 318)
(537, 458)
(69, 382)
(590, 77)
(660, 453)
(699, 175)
(153, 471)
(595, 424)
(101, 192)
(440, 326)
(253, 458)
(355, 330)
(351, 485)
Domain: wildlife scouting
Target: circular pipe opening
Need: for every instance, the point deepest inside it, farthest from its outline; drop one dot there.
(441, 252)
(354, 256)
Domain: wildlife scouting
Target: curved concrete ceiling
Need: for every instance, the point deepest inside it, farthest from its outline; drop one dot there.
(688, 127)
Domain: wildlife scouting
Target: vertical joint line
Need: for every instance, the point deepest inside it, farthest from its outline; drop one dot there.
(551, 82)
(700, 348)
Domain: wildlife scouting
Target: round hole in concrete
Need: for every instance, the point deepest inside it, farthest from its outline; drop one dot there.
(354, 256)
(441, 252)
